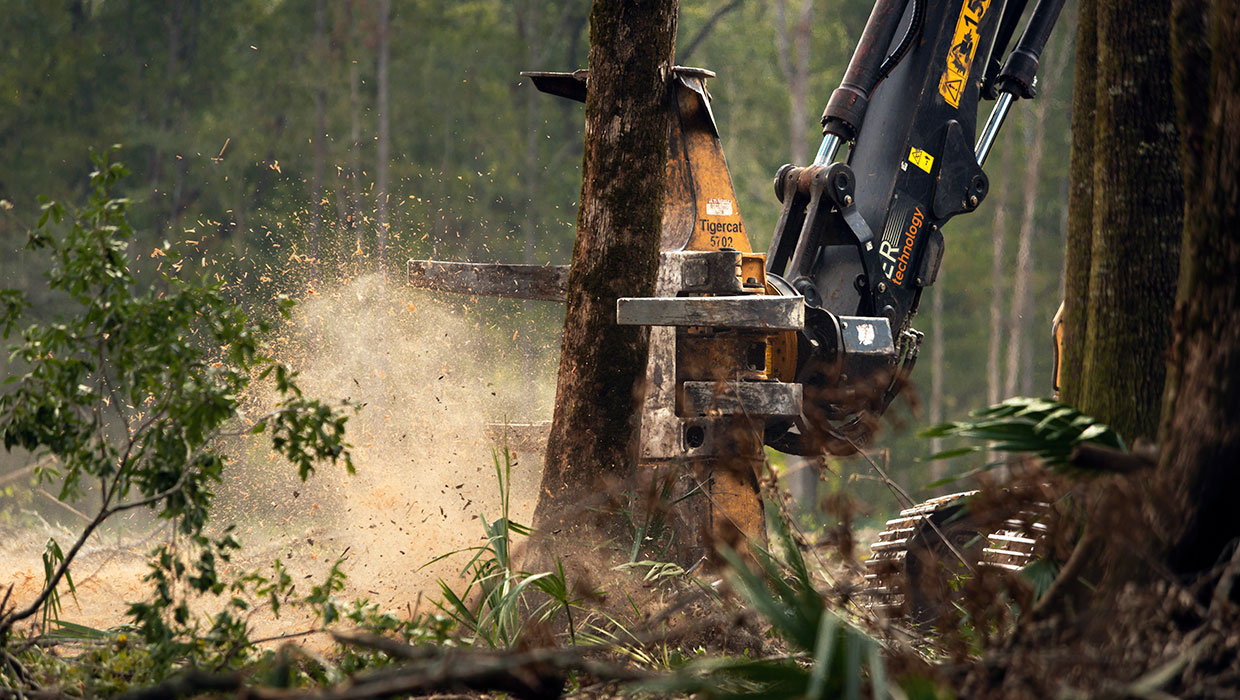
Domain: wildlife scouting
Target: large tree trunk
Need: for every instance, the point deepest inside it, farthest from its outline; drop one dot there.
(1124, 228)
(591, 449)
(1116, 316)
(1152, 570)
(1200, 466)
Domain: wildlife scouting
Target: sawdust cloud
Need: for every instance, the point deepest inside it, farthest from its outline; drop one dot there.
(429, 376)
(429, 379)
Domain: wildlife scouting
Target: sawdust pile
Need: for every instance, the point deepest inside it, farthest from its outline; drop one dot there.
(429, 378)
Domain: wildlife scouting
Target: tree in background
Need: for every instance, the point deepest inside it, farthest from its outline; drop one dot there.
(793, 44)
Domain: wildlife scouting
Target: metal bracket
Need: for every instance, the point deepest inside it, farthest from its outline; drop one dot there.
(763, 313)
(534, 282)
(765, 399)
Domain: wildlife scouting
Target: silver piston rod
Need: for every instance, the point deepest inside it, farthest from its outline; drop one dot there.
(991, 130)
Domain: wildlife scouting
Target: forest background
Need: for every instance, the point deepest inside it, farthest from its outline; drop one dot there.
(293, 145)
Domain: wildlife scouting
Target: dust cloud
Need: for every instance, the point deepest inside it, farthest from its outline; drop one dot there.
(429, 378)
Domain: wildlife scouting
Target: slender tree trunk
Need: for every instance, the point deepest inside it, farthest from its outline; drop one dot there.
(176, 14)
(936, 373)
(320, 137)
(592, 446)
(793, 50)
(382, 148)
(528, 20)
(355, 149)
(1018, 318)
(998, 236)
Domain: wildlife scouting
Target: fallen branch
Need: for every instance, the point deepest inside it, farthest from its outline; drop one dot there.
(1068, 580)
(17, 475)
(192, 682)
(531, 675)
(1098, 458)
(62, 504)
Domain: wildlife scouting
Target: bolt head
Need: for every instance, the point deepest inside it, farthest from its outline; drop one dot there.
(848, 200)
(882, 287)
(973, 200)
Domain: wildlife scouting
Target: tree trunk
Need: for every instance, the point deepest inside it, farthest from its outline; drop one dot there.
(591, 449)
(1078, 246)
(1018, 317)
(1021, 347)
(793, 48)
(1116, 319)
(1200, 431)
(1153, 562)
(320, 137)
(998, 236)
(936, 375)
(382, 147)
(1125, 226)
(528, 20)
(355, 148)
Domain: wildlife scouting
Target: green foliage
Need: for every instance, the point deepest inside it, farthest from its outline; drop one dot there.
(498, 605)
(646, 517)
(1045, 428)
(128, 657)
(53, 557)
(131, 390)
(829, 656)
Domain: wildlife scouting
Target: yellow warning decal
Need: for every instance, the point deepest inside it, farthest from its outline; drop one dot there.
(920, 158)
(964, 47)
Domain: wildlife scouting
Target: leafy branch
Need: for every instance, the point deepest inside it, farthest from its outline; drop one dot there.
(1046, 428)
(132, 389)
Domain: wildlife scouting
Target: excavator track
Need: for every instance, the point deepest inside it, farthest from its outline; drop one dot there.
(890, 573)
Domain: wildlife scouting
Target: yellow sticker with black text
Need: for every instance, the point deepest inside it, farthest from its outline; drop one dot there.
(963, 49)
(920, 158)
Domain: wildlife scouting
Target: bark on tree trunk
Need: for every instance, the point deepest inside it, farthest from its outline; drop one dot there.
(1118, 331)
(591, 449)
(1080, 206)
(1200, 432)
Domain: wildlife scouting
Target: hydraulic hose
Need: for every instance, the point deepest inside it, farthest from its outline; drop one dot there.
(906, 42)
